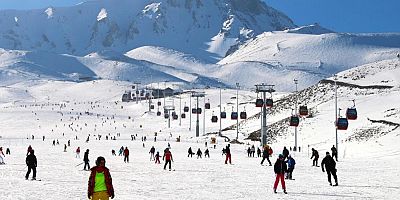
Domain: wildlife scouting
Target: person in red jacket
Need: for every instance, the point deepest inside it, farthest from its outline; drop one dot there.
(126, 155)
(168, 158)
(100, 182)
(228, 154)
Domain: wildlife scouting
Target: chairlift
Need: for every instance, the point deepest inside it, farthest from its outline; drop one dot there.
(351, 113)
(294, 120)
(207, 105)
(342, 123)
(269, 103)
(303, 111)
(259, 103)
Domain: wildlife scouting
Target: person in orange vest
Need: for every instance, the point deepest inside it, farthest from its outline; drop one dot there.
(168, 158)
(100, 185)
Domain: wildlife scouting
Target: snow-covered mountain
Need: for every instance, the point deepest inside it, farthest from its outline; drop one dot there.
(201, 28)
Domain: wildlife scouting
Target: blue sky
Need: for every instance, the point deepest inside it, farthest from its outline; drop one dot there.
(338, 15)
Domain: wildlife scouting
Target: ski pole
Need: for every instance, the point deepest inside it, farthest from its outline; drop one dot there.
(79, 164)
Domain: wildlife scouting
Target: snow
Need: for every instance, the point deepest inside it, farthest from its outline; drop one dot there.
(49, 12)
(151, 9)
(102, 14)
(365, 169)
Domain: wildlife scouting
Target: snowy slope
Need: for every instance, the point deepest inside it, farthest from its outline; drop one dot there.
(34, 108)
(190, 26)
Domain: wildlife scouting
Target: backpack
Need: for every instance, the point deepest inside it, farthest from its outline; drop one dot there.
(270, 151)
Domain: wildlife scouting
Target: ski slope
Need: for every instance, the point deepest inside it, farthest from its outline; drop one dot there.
(366, 167)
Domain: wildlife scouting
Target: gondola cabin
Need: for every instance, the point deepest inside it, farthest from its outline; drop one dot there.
(294, 121)
(207, 106)
(158, 113)
(166, 115)
(214, 119)
(151, 106)
(194, 110)
(173, 113)
(243, 115)
(269, 103)
(186, 109)
(303, 111)
(174, 117)
(351, 113)
(234, 116)
(159, 103)
(223, 115)
(259, 103)
(198, 110)
(342, 123)
(183, 115)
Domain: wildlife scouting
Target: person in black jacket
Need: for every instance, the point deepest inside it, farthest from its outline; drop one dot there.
(334, 152)
(280, 169)
(314, 155)
(285, 153)
(265, 155)
(330, 166)
(86, 160)
(31, 162)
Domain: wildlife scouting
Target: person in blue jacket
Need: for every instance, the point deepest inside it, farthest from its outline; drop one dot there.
(291, 163)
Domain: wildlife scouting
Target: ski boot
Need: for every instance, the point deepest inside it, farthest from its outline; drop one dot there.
(284, 191)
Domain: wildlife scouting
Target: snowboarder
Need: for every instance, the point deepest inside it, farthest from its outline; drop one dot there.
(206, 153)
(334, 152)
(151, 152)
(126, 154)
(280, 169)
(100, 181)
(86, 160)
(285, 153)
(157, 157)
(1, 156)
(228, 154)
(199, 153)
(266, 156)
(330, 166)
(315, 155)
(168, 158)
(31, 162)
(78, 152)
(190, 152)
(291, 163)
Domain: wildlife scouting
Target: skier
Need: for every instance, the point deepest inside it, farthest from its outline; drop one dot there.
(266, 156)
(280, 169)
(315, 155)
(29, 150)
(168, 158)
(157, 157)
(334, 152)
(31, 162)
(253, 150)
(190, 152)
(206, 153)
(228, 154)
(151, 152)
(330, 166)
(291, 163)
(285, 153)
(54, 142)
(65, 147)
(86, 160)
(100, 181)
(1, 157)
(78, 152)
(199, 153)
(69, 143)
(126, 154)
(121, 150)
(258, 152)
